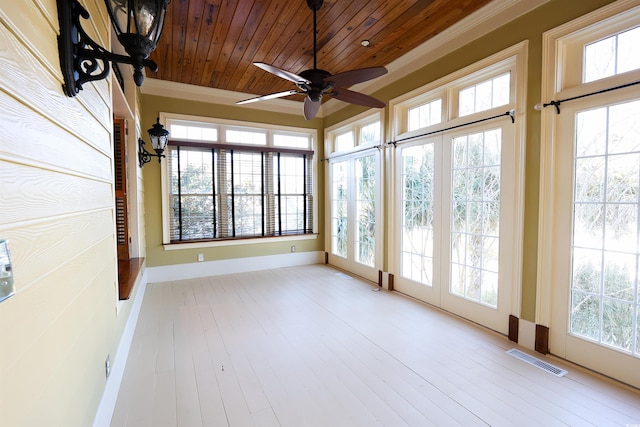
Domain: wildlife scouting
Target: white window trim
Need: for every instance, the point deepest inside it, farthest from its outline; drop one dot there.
(513, 58)
(233, 242)
(555, 85)
(353, 124)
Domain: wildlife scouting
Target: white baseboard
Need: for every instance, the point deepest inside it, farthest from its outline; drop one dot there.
(527, 334)
(112, 387)
(231, 266)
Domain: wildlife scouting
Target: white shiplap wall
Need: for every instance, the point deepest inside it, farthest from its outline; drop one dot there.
(56, 210)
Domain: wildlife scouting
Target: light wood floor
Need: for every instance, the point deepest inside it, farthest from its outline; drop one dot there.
(311, 346)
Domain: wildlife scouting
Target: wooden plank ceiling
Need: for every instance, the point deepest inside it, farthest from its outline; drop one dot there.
(214, 43)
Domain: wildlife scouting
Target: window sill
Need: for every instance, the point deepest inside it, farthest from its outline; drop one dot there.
(128, 272)
(237, 242)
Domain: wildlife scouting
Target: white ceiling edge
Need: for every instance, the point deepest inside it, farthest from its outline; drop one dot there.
(476, 25)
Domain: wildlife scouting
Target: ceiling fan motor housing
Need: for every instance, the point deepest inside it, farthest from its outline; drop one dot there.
(318, 85)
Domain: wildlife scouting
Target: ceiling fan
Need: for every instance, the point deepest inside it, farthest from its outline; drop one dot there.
(315, 82)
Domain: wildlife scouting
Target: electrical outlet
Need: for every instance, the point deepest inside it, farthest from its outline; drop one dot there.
(107, 366)
(293, 248)
(200, 257)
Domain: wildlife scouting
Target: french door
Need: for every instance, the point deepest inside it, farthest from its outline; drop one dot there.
(589, 250)
(595, 318)
(456, 222)
(354, 213)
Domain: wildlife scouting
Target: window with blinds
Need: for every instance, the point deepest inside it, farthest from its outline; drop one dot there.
(227, 191)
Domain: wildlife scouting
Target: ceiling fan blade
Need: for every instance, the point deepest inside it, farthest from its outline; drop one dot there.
(311, 108)
(270, 96)
(282, 73)
(357, 98)
(349, 78)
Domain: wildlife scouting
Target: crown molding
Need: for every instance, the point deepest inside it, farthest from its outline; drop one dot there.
(478, 24)
(189, 92)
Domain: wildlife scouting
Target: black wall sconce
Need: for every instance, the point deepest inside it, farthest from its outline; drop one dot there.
(159, 137)
(138, 25)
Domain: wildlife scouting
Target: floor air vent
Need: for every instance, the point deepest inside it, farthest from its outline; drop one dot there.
(537, 363)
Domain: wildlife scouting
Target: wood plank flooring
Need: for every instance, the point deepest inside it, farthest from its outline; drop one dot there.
(312, 346)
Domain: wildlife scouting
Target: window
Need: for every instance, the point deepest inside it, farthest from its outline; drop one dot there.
(291, 140)
(249, 184)
(361, 133)
(194, 131)
(611, 56)
(485, 95)
(370, 133)
(344, 141)
(460, 94)
(425, 115)
(250, 137)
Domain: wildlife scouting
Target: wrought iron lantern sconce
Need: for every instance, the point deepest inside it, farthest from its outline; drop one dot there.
(159, 137)
(138, 26)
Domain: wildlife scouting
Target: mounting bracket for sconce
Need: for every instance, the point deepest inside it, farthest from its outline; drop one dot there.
(83, 60)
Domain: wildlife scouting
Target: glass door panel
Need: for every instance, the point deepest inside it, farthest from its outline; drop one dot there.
(475, 217)
(595, 318)
(417, 214)
(339, 223)
(354, 219)
(605, 233)
(418, 220)
(365, 238)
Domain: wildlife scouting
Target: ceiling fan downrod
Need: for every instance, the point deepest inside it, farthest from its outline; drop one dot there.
(315, 5)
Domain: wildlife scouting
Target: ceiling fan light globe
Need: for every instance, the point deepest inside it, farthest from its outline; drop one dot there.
(310, 108)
